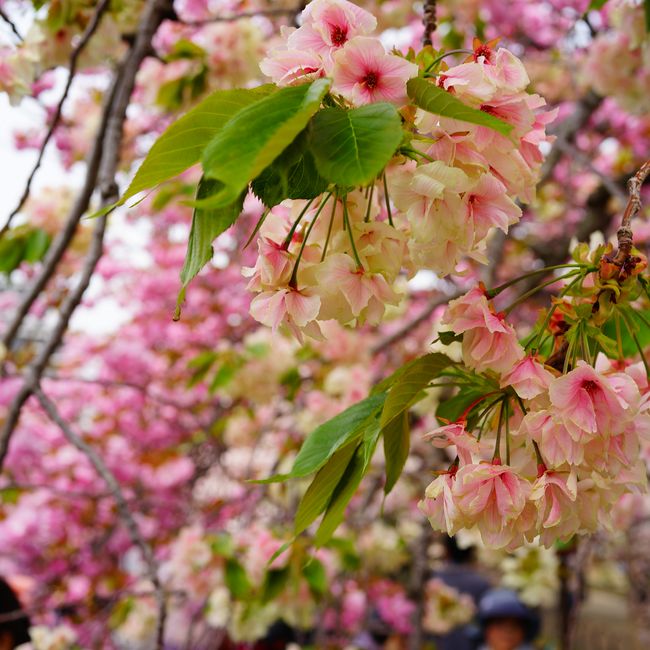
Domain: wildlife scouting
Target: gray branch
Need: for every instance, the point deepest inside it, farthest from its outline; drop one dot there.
(105, 159)
(88, 33)
(122, 506)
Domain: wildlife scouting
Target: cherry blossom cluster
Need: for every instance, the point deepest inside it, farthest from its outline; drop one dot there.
(472, 175)
(339, 256)
(572, 439)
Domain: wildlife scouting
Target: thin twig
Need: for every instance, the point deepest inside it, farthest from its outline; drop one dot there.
(624, 234)
(35, 371)
(88, 33)
(122, 506)
(267, 13)
(429, 21)
(575, 154)
(408, 327)
(12, 25)
(566, 131)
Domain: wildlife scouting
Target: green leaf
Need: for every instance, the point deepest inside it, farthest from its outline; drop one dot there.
(120, 613)
(347, 552)
(182, 144)
(397, 442)
(428, 96)
(292, 175)
(639, 321)
(388, 382)
(274, 583)
(347, 486)
(222, 377)
(257, 135)
(207, 225)
(316, 577)
(200, 365)
(321, 444)
(408, 387)
(596, 4)
(12, 253)
(351, 147)
(236, 580)
(452, 408)
(38, 241)
(222, 544)
(447, 338)
(320, 490)
(646, 9)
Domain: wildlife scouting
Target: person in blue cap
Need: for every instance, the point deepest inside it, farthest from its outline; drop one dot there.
(506, 623)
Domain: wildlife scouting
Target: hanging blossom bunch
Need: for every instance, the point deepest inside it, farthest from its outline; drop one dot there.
(553, 440)
(450, 184)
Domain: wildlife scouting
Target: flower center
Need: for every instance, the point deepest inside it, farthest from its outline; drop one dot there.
(590, 386)
(485, 51)
(338, 35)
(371, 80)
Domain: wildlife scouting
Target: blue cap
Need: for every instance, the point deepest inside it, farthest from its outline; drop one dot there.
(504, 603)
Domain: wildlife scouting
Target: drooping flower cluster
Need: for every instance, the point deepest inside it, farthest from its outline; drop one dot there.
(571, 440)
(339, 256)
(475, 175)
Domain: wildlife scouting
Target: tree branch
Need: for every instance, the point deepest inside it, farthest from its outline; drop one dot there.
(122, 506)
(624, 233)
(107, 159)
(103, 159)
(429, 21)
(91, 28)
(566, 131)
(582, 159)
(12, 25)
(409, 326)
(267, 13)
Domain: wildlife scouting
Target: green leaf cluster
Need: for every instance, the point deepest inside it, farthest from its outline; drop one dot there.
(340, 450)
(289, 143)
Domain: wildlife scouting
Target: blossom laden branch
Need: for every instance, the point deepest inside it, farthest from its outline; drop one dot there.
(88, 33)
(105, 161)
(122, 506)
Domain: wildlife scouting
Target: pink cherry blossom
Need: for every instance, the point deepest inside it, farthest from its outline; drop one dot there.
(555, 494)
(491, 495)
(528, 377)
(439, 504)
(557, 446)
(297, 309)
(489, 206)
(587, 402)
(364, 73)
(363, 293)
(286, 67)
(329, 25)
(494, 347)
(456, 435)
